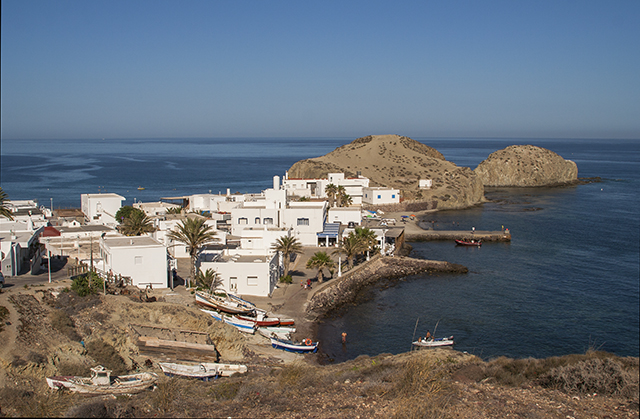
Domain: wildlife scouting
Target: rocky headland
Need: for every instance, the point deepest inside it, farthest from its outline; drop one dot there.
(399, 162)
(526, 166)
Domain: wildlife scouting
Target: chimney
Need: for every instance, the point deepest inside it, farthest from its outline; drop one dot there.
(276, 182)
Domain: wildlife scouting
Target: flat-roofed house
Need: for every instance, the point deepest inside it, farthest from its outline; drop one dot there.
(251, 275)
(142, 258)
(101, 208)
(380, 196)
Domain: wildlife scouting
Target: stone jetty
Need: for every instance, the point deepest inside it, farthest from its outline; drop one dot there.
(332, 295)
(434, 235)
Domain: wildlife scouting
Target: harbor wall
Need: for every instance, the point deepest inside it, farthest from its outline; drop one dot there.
(335, 294)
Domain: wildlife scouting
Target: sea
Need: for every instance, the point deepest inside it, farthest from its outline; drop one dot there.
(568, 281)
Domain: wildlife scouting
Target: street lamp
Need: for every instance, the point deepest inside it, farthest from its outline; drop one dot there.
(48, 241)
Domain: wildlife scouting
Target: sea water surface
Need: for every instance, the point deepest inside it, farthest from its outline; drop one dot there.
(569, 280)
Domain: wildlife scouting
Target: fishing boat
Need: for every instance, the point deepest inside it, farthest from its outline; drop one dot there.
(261, 319)
(242, 325)
(465, 242)
(221, 300)
(280, 332)
(306, 346)
(434, 342)
(203, 371)
(101, 382)
(141, 188)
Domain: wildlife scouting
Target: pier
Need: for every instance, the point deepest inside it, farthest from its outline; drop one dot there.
(435, 235)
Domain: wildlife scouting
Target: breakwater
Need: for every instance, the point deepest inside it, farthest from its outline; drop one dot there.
(435, 235)
(335, 294)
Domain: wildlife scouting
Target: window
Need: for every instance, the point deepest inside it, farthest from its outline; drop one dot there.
(252, 281)
(137, 260)
(393, 196)
(379, 196)
(303, 221)
(242, 220)
(257, 220)
(268, 221)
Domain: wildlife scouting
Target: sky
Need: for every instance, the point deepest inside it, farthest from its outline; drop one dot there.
(79, 69)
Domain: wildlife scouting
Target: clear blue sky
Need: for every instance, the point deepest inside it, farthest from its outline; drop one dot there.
(152, 68)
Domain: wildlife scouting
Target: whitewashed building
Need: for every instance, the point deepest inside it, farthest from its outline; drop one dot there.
(380, 196)
(142, 258)
(101, 208)
(315, 188)
(252, 275)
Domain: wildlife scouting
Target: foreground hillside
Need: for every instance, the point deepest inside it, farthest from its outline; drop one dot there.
(47, 330)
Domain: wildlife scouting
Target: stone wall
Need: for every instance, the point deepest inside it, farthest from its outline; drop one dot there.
(345, 290)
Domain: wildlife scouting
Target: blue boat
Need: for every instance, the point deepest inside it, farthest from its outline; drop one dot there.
(307, 346)
(241, 325)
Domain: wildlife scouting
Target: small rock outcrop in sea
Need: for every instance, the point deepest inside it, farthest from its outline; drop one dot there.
(526, 165)
(399, 162)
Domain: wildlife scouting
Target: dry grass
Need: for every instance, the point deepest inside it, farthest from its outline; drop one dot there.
(64, 324)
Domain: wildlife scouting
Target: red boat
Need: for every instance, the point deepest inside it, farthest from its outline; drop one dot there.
(469, 242)
(261, 320)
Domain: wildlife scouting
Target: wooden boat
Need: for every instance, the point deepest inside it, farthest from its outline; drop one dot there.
(203, 371)
(261, 320)
(101, 382)
(300, 347)
(280, 332)
(241, 325)
(284, 321)
(223, 301)
(434, 342)
(471, 242)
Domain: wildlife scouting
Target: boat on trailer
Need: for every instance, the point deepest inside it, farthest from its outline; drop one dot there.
(101, 382)
(202, 371)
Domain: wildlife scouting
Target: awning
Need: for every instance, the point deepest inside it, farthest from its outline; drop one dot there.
(330, 230)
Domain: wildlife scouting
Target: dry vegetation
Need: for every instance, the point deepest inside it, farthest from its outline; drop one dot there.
(437, 383)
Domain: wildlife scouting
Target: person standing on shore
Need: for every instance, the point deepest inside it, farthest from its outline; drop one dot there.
(344, 337)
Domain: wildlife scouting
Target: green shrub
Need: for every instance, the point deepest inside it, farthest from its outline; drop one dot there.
(87, 284)
(286, 279)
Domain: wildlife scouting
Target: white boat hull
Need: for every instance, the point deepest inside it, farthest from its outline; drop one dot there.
(434, 343)
(203, 371)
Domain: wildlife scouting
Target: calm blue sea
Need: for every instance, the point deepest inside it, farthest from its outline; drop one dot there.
(568, 281)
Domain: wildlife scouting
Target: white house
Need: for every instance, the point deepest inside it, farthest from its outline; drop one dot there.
(380, 196)
(315, 188)
(153, 209)
(425, 183)
(169, 222)
(141, 258)
(101, 208)
(345, 215)
(251, 275)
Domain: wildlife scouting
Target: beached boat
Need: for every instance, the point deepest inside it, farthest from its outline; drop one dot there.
(203, 371)
(223, 301)
(260, 320)
(279, 332)
(434, 342)
(241, 325)
(469, 242)
(307, 346)
(101, 382)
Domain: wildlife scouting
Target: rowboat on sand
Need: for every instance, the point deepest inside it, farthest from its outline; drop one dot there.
(242, 325)
(203, 371)
(221, 300)
(280, 332)
(306, 346)
(261, 319)
(101, 382)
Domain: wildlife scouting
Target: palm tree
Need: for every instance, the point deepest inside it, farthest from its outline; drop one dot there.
(331, 190)
(209, 279)
(341, 192)
(195, 234)
(287, 245)
(350, 246)
(136, 224)
(4, 211)
(320, 260)
(345, 200)
(368, 237)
